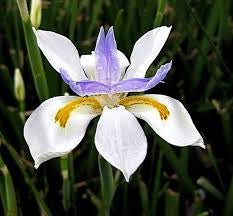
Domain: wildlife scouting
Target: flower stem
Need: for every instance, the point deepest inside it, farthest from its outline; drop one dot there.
(23, 9)
(74, 12)
(28, 180)
(157, 184)
(33, 53)
(66, 164)
(107, 185)
(172, 201)
(8, 193)
(160, 12)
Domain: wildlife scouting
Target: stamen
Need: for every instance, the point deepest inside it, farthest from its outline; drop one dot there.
(63, 114)
(130, 101)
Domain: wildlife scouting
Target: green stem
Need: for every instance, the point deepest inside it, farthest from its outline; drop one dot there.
(95, 14)
(172, 201)
(22, 110)
(107, 185)
(28, 180)
(66, 186)
(215, 165)
(157, 184)
(9, 191)
(160, 12)
(175, 162)
(74, 10)
(23, 9)
(33, 53)
(208, 186)
(17, 33)
(228, 208)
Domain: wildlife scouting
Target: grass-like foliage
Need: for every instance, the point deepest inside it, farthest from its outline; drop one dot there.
(172, 181)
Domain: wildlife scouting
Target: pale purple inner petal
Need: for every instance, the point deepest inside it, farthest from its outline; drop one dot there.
(91, 87)
(107, 63)
(85, 87)
(65, 76)
(114, 73)
(141, 84)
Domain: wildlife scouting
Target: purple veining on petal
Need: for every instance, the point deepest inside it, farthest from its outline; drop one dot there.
(141, 84)
(113, 62)
(101, 61)
(107, 65)
(89, 87)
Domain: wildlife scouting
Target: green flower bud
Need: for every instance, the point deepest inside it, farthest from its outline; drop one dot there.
(36, 12)
(19, 87)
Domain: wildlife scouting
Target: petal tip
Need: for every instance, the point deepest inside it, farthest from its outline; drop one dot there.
(36, 165)
(127, 177)
(101, 30)
(202, 145)
(110, 29)
(167, 28)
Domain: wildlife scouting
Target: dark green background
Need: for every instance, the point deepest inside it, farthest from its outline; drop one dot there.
(200, 46)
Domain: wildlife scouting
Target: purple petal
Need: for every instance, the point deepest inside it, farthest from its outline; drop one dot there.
(107, 65)
(141, 84)
(111, 47)
(159, 76)
(86, 87)
(65, 76)
(101, 61)
(130, 85)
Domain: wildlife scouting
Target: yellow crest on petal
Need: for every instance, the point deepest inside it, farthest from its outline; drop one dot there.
(130, 101)
(80, 105)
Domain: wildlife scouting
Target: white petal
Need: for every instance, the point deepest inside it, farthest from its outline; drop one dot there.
(61, 53)
(120, 140)
(47, 139)
(88, 64)
(178, 129)
(145, 51)
(123, 61)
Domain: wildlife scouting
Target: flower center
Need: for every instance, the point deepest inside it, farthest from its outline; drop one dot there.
(94, 105)
(110, 101)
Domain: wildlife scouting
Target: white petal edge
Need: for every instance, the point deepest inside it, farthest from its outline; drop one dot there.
(178, 129)
(120, 140)
(146, 50)
(45, 138)
(61, 53)
(88, 64)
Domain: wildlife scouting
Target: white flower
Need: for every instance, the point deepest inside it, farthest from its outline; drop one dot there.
(58, 125)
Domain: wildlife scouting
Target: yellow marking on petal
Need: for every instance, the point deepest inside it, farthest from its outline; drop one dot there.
(127, 102)
(63, 114)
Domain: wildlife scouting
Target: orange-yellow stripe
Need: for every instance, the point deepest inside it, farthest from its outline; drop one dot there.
(144, 100)
(63, 114)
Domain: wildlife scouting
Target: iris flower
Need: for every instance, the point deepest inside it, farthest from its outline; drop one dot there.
(102, 81)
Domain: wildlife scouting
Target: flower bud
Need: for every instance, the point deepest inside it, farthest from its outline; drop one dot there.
(19, 87)
(36, 12)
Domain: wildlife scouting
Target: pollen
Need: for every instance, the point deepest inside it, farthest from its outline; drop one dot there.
(88, 103)
(130, 101)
